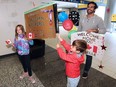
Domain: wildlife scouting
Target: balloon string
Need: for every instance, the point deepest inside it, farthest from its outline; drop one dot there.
(101, 62)
(103, 40)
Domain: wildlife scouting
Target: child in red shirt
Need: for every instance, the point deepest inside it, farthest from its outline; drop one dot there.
(73, 59)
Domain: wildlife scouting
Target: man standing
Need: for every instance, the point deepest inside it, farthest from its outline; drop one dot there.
(91, 23)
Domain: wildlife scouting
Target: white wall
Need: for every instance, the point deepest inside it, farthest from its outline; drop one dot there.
(11, 14)
(112, 6)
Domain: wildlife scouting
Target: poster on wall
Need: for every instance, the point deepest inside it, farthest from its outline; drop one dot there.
(96, 46)
(42, 21)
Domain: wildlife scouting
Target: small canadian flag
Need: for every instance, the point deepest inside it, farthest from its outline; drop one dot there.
(30, 35)
(8, 41)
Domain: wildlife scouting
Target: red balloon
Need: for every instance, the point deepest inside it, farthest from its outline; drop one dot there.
(67, 24)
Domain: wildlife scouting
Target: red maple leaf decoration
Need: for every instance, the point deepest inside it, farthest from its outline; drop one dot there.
(30, 35)
(88, 46)
(103, 47)
(8, 42)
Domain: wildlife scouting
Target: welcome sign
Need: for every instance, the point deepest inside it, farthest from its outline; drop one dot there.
(95, 43)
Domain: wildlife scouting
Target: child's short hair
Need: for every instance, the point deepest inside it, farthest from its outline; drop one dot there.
(81, 45)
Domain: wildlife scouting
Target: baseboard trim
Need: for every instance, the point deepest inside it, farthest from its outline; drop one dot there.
(3, 56)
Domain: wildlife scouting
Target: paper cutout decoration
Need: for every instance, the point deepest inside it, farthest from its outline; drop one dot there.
(33, 3)
(8, 42)
(113, 19)
(103, 47)
(74, 16)
(108, 10)
(49, 15)
(95, 49)
(100, 66)
(30, 35)
(88, 46)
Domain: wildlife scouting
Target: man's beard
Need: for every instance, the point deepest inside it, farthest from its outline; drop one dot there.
(90, 12)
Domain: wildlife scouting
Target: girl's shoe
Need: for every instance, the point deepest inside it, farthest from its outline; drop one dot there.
(31, 79)
(25, 74)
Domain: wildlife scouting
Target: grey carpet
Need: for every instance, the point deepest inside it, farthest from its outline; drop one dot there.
(10, 70)
(49, 71)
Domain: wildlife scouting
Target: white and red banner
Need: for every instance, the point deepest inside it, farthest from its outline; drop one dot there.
(95, 43)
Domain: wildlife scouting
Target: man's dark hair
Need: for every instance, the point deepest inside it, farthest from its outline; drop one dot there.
(95, 7)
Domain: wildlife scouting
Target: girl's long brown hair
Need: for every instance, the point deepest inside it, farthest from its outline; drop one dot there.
(22, 28)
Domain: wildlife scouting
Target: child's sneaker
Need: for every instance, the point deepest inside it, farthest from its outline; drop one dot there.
(23, 75)
(31, 79)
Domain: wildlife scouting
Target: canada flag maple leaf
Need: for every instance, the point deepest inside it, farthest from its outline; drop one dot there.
(8, 41)
(88, 46)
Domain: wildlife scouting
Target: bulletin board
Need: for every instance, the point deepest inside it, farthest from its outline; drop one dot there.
(42, 21)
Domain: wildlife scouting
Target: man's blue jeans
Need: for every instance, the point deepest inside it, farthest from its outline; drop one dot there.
(88, 63)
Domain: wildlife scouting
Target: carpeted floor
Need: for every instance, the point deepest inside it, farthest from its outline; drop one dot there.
(10, 70)
(49, 71)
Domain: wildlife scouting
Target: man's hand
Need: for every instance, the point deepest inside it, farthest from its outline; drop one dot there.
(92, 30)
